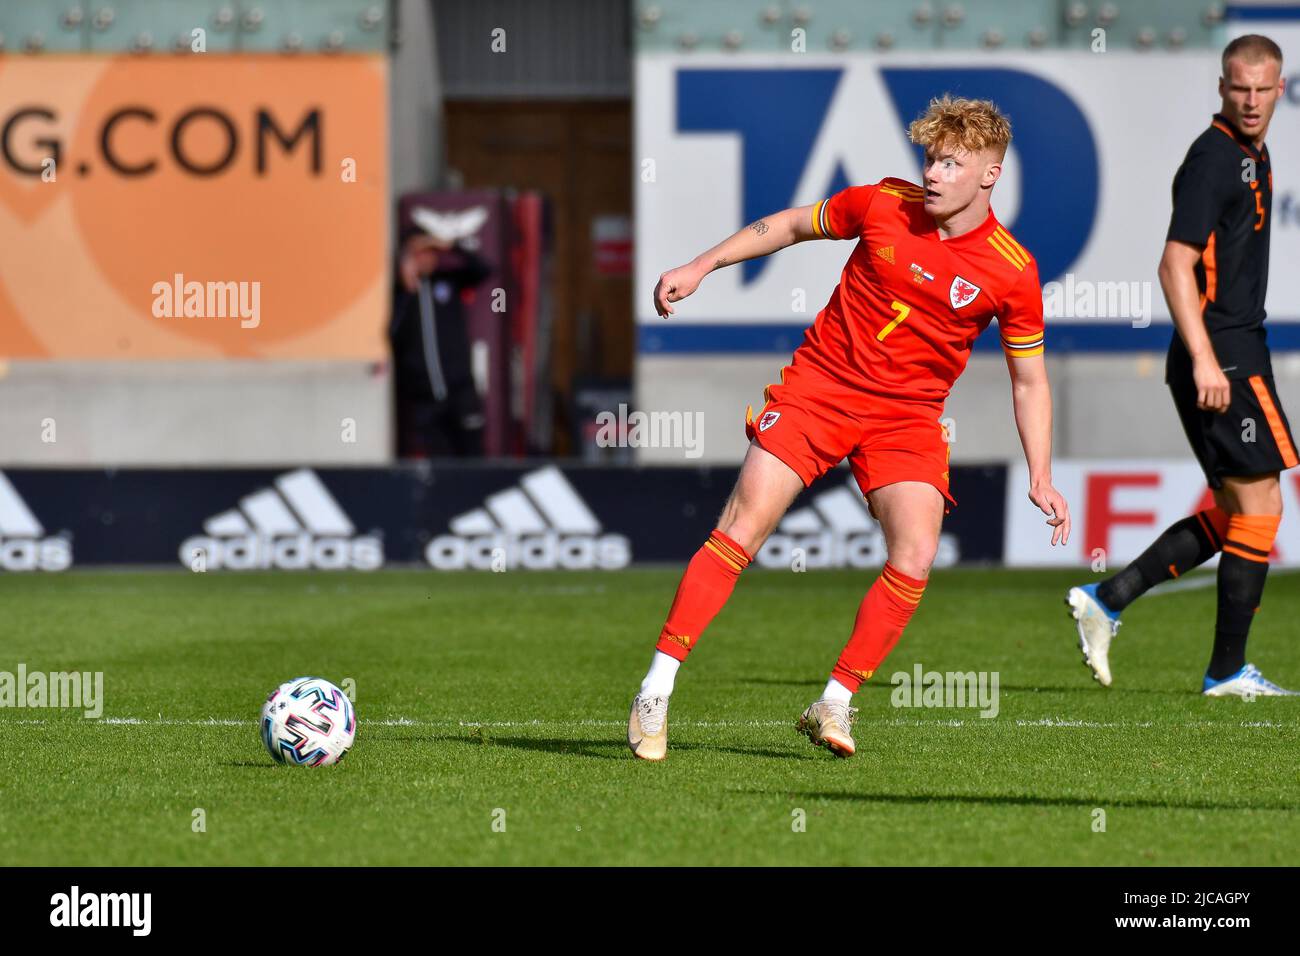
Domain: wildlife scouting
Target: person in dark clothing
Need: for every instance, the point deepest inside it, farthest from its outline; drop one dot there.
(439, 411)
(1214, 273)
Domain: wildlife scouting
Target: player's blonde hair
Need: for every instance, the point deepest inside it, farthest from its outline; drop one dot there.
(956, 122)
(1252, 48)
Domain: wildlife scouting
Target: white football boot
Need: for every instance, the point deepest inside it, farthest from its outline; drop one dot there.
(1097, 626)
(1248, 683)
(829, 724)
(647, 727)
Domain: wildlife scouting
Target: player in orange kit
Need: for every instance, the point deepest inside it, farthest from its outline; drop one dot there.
(931, 268)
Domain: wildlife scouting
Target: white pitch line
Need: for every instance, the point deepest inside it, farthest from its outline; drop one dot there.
(975, 721)
(1208, 580)
(1187, 584)
(1090, 724)
(208, 722)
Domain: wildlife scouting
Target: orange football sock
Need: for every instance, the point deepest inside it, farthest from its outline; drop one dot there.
(1243, 569)
(704, 589)
(1251, 536)
(883, 614)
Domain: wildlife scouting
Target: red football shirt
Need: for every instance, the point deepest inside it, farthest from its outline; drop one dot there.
(909, 304)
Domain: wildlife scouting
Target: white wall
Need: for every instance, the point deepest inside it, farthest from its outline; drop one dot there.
(1105, 405)
(192, 413)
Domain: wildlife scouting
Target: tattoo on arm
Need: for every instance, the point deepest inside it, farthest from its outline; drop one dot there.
(759, 227)
(720, 263)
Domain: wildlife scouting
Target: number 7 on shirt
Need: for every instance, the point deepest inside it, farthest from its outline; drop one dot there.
(903, 312)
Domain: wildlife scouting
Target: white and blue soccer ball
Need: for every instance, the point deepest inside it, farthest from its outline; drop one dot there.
(308, 722)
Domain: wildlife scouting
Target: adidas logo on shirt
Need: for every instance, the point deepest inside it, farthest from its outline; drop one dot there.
(836, 531)
(294, 526)
(23, 543)
(542, 523)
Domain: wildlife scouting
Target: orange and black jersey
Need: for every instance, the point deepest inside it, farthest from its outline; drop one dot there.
(1223, 198)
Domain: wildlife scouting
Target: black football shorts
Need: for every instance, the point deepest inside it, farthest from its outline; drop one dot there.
(1251, 438)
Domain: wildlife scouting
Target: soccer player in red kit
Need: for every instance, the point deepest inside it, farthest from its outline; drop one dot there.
(931, 268)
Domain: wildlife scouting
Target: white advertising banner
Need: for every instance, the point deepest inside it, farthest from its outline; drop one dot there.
(1118, 507)
(725, 139)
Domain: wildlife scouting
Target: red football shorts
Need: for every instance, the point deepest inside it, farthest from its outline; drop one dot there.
(812, 422)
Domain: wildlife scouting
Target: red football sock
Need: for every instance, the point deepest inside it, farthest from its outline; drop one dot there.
(704, 589)
(883, 614)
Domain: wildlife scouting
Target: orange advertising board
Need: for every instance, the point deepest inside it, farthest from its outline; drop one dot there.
(195, 207)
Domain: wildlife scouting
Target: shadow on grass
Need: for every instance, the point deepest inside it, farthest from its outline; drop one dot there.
(1092, 688)
(810, 683)
(607, 749)
(1014, 800)
(884, 687)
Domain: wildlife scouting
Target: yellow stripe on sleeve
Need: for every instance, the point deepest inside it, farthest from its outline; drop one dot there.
(816, 220)
(1024, 353)
(821, 224)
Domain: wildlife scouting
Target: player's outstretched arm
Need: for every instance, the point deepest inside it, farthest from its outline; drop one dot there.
(1032, 397)
(760, 238)
(1182, 295)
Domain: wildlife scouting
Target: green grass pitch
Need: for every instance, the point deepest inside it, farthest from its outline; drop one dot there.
(481, 693)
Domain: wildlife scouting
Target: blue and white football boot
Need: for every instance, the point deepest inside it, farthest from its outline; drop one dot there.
(1247, 682)
(1097, 626)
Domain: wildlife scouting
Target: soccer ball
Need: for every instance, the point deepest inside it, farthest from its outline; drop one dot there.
(308, 722)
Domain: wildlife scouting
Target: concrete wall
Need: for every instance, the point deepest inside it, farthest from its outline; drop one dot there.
(1105, 405)
(193, 413)
(415, 99)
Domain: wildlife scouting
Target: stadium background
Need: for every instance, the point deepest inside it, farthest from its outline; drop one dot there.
(606, 142)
